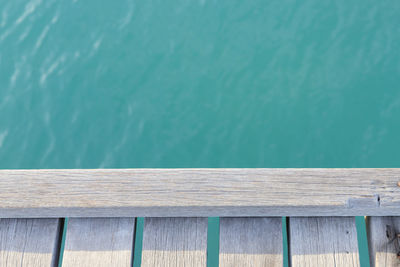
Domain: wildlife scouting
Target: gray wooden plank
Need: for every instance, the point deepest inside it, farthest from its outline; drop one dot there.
(252, 242)
(174, 242)
(28, 242)
(381, 232)
(199, 192)
(99, 242)
(323, 241)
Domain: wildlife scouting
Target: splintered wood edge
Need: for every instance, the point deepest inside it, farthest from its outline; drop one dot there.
(199, 192)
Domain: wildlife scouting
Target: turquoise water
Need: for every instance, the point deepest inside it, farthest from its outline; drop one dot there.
(181, 83)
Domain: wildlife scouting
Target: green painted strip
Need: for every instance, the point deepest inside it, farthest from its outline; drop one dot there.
(62, 246)
(213, 242)
(137, 253)
(362, 241)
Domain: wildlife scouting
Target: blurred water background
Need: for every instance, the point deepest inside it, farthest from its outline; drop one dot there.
(206, 83)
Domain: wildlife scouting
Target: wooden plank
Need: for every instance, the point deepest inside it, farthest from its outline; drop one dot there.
(99, 242)
(381, 239)
(170, 242)
(28, 242)
(254, 242)
(323, 241)
(199, 192)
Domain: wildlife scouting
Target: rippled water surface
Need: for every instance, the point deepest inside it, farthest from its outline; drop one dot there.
(88, 84)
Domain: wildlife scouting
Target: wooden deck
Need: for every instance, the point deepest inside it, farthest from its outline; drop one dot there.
(313, 241)
(252, 235)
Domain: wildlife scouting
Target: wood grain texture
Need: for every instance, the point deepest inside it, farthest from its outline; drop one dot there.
(251, 242)
(99, 242)
(199, 192)
(381, 246)
(174, 242)
(323, 241)
(28, 242)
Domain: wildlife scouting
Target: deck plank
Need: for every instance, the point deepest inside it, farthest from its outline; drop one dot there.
(382, 249)
(28, 242)
(251, 242)
(170, 242)
(99, 242)
(199, 192)
(323, 241)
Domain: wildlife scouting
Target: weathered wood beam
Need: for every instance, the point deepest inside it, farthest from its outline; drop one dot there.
(174, 242)
(323, 241)
(99, 242)
(199, 192)
(250, 242)
(29, 242)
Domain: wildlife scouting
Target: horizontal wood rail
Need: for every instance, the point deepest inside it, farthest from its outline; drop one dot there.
(199, 192)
